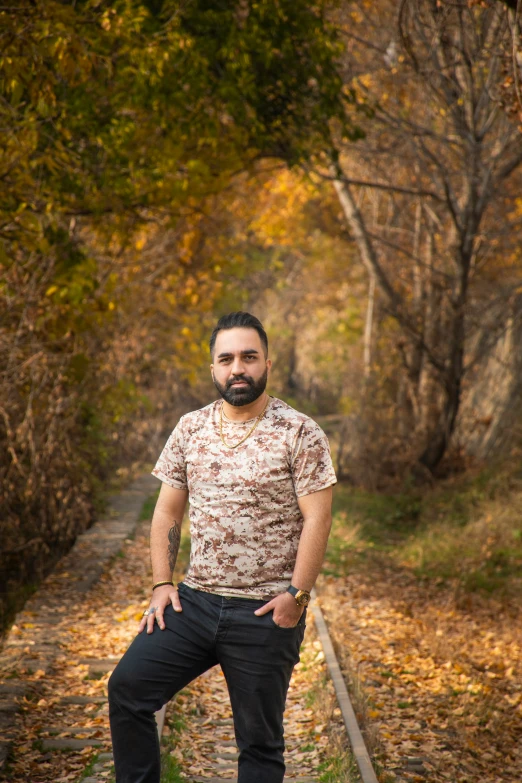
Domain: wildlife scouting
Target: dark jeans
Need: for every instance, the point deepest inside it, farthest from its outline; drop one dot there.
(257, 658)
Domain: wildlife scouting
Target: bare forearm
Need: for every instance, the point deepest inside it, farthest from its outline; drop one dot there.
(316, 509)
(165, 536)
(317, 513)
(311, 551)
(165, 533)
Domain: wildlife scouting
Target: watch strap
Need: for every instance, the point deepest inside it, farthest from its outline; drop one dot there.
(302, 597)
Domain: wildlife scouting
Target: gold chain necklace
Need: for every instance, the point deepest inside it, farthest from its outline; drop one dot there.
(249, 433)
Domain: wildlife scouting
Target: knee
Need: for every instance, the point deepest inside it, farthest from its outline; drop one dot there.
(121, 685)
(114, 685)
(258, 731)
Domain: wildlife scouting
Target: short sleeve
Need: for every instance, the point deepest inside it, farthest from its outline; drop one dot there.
(312, 467)
(171, 465)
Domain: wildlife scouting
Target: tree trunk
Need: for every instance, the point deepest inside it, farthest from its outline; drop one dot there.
(368, 328)
(438, 444)
(428, 384)
(436, 449)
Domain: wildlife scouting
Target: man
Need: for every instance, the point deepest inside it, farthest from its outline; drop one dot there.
(259, 478)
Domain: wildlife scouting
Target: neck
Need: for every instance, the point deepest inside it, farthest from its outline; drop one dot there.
(245, 412)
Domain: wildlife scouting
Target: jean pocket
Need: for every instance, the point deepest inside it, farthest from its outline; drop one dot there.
(300, 623)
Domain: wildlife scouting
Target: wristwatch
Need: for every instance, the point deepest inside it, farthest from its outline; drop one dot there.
(302, 597)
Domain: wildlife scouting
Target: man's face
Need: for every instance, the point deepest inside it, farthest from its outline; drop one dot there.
(240, 369)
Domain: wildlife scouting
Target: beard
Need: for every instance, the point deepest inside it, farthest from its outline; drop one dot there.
(242, 395)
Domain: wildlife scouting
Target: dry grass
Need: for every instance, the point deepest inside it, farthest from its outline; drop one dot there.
(483, 555)
(465, 532)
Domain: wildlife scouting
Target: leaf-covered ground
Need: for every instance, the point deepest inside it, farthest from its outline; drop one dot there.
(100, 630)
(437, 678)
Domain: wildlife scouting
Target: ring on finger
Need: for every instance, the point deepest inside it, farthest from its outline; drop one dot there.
(151, 610)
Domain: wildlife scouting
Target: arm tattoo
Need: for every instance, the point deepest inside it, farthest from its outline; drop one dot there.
(174, 539)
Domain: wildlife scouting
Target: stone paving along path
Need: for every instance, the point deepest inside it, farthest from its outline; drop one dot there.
(34, 644)
(59, 654)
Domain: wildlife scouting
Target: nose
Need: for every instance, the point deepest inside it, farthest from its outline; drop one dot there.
(237, 366)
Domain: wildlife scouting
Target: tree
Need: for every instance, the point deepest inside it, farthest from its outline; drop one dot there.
(120, 121)
(442, 153)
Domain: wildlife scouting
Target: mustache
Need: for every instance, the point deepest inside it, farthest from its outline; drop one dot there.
(245, 378)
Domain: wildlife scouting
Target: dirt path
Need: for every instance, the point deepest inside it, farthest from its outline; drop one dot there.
(439, 679)
(56, 664)
(206, 749)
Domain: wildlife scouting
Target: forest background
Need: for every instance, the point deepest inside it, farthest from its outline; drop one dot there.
(350, 172)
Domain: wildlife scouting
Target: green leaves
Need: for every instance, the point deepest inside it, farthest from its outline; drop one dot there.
(121, 122)
(271, 65)
(112, 110)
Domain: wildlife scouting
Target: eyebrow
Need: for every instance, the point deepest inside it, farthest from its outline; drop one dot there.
(226, 354)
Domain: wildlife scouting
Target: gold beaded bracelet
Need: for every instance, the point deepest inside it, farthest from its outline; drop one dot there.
(159, 584)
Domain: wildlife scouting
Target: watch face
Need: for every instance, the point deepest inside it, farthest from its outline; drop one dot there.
(302, 598)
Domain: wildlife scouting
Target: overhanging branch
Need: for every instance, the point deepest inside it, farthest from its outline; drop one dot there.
(382, 186)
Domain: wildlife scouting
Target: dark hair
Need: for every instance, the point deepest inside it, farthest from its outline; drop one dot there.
(239, 319)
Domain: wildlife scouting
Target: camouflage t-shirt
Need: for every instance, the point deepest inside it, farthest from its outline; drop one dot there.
(245, 521)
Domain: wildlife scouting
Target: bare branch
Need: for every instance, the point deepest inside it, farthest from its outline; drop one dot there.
(382, 186)
(510, 165)
(369, 256)
(414, 257)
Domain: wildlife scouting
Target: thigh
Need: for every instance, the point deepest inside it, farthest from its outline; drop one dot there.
(257, 658)
(158, 665)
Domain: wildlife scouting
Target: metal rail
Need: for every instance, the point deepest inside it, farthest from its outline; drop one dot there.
(360, 751)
